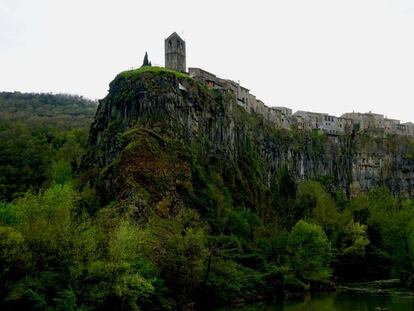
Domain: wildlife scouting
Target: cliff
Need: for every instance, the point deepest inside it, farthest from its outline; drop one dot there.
(160, 137)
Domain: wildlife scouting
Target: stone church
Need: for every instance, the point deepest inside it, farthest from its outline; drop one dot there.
(175, 53)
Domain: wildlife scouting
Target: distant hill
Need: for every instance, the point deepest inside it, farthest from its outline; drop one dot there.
(61, 110)
(42, 137)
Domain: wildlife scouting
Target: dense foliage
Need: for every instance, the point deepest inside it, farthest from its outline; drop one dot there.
(229, 235)
(56, 256)
(41, 137)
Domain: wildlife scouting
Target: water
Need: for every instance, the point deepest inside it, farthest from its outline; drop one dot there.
(342, 301)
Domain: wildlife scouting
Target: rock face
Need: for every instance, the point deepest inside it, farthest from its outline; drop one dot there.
(168, 108)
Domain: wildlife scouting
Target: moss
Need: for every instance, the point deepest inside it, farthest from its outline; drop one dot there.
(155, 70)
(249, 120)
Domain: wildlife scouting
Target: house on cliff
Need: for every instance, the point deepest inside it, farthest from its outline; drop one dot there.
(282, 117)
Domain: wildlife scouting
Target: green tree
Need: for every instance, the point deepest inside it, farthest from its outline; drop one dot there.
(310, 251)
(123, 278)
(355, 241)
(146, 62)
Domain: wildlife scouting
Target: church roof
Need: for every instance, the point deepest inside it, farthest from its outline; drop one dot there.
(174, 35)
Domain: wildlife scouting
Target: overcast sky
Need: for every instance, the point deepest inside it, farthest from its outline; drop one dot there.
(316, 55)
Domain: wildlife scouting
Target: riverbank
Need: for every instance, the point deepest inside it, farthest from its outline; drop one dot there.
(389, 295)
(339, 301)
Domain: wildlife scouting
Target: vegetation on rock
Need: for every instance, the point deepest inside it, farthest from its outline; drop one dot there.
(135, 73)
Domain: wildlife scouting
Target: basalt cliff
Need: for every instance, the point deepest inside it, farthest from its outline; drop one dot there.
(160, 137)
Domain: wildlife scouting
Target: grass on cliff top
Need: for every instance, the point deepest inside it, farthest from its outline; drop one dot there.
(155, 70)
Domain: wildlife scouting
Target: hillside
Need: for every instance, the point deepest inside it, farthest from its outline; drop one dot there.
(41, 135)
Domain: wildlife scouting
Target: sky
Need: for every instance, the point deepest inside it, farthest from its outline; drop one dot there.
(316, 55)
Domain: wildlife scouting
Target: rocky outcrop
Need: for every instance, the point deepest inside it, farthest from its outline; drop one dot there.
(172, 106)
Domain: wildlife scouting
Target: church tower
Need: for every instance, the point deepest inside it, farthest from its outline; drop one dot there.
(175, 53)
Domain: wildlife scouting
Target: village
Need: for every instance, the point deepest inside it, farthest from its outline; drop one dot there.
(282, 117)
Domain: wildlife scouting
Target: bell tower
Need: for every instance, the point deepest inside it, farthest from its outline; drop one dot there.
(175, 53)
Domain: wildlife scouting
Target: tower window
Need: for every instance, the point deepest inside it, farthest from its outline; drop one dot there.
(169, 43)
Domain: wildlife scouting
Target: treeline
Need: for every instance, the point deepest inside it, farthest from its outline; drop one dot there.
(59, 111)
(41, 137)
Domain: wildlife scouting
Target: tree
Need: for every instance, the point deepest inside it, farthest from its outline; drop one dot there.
(310, 251)
(146, 62)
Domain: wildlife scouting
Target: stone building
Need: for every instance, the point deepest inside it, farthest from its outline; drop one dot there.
(279, 116)
(204, 76)
(365, 121)
(308, 120)
(390, 126)
(282, 117)
(331, 125)
(243, 96)
(409, 128)
(401, 129)
(374, 121)
(344, 125)
(175, 55)
(286, 111)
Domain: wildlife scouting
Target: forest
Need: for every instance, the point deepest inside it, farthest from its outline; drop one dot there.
(60, 249)
(42, 137)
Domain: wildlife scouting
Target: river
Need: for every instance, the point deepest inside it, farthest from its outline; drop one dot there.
(361, 299)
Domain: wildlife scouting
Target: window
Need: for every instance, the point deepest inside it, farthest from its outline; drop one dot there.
(169, 43)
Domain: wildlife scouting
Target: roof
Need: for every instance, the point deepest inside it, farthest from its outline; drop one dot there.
(174, 35)
(301, 112)
(201, 70)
